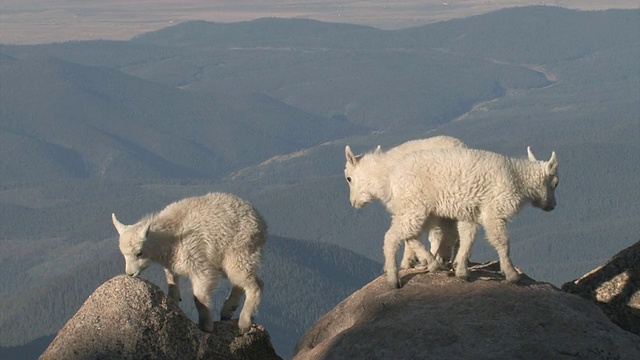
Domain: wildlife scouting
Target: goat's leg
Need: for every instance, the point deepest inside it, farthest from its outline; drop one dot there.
(409, 258)
(424, 256)
(445, 252)
(436, 235)
(202, 297)
(174, 285)
(231, 303)
(251, 285)
(467, 232)
(406, 227)
(496, 230)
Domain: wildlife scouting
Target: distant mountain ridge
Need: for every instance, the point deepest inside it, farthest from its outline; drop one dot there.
(264, 32)
(516, 34)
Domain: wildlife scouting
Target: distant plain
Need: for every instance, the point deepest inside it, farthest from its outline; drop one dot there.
(38, 22)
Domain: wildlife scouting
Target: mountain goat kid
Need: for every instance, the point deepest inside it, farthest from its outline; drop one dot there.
(443, 233)
(470, 186)
(204, 237)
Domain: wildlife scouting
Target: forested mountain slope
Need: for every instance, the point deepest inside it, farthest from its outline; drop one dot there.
(83, 121)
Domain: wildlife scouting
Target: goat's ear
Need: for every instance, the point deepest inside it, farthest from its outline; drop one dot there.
(378, 150)
(351, 159)
(530, 153)
(145, 231)
(119, 226)
(553, 162)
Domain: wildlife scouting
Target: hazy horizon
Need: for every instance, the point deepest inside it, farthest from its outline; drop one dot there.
(36, 22)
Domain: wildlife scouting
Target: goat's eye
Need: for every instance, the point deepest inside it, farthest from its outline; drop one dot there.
(554, 182)
(348, 178)
(139, 254)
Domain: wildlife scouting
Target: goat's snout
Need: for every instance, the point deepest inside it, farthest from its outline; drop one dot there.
(134, 274)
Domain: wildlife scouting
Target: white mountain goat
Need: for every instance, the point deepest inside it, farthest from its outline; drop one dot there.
(204, 237)
(443, 233)
(471, 186)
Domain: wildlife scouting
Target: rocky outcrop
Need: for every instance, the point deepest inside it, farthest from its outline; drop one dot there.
(435, 315)
(131, 318)
(615, 288)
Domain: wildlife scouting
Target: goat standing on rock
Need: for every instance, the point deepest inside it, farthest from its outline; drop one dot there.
(204, 238)
(470, 186)
(443, 233)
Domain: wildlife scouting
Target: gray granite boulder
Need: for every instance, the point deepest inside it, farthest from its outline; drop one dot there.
(437, 316)
(131, 318)
(615, 288)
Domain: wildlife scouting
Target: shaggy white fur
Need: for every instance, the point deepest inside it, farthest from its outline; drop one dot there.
(471, 186)
(205, 238)
(443, 233)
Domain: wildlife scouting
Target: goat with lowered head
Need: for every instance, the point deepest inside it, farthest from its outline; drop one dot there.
(205, 238)
(474, 187)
